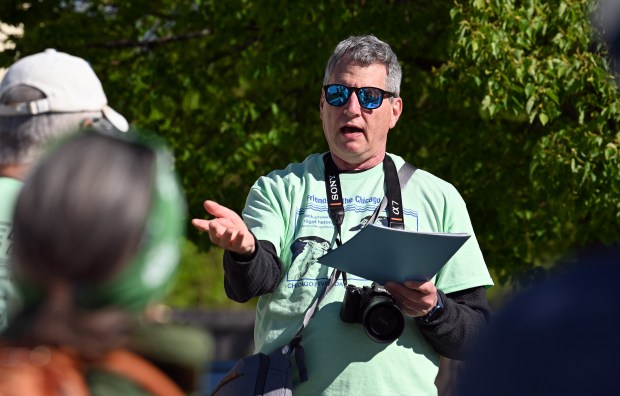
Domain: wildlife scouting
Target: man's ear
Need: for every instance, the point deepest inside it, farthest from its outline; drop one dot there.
(397, 109)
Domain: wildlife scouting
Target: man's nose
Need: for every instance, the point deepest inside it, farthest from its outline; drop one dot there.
(353, 107)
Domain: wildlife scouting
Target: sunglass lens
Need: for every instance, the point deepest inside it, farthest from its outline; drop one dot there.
(337, 95)
(370, 98)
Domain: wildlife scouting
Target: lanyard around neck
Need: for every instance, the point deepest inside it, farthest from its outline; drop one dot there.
(335, 204)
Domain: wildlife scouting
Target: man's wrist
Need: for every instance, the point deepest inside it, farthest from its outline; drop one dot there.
(245, 257)
(435, 312)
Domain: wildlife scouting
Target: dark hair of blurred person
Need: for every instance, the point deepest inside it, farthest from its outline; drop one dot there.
(96, 236)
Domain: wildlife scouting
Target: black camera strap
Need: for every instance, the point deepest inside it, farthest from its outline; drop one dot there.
(404, 174)
(335, 206)
(394, 200)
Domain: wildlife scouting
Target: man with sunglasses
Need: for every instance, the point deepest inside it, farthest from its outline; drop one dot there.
(360, 103)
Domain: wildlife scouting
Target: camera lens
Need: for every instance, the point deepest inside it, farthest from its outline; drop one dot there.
(383, 320)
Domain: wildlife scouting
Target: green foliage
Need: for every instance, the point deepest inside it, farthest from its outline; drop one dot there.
(532, 71)
(511, 101)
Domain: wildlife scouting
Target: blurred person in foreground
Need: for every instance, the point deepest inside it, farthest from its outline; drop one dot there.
(359, 105)
(605, 19)
(42, 96)
(560, 337)
(96, 242)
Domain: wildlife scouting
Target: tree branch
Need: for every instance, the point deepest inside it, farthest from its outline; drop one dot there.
(153, 42)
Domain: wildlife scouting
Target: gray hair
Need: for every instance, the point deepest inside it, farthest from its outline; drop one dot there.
(23, 137)
(365, 51)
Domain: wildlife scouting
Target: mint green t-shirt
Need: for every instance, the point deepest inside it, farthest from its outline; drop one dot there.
(289, 208)
(9, 190)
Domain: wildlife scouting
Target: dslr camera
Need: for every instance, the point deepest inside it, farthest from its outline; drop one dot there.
(375, 309)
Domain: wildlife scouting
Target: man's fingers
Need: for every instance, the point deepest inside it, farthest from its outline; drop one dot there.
(219, 230)
(219, 211)
(412, 307)
(226, 229)
(201, 224)
(232, 239)
(416, 285)
(220, 225)
(398, 289)
(414, 297)
(237, 238)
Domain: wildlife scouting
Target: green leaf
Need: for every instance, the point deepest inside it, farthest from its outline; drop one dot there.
(543, 118)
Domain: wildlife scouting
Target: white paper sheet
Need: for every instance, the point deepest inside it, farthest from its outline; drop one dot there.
(385, 254)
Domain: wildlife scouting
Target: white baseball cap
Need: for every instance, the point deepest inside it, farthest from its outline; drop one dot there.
(68, 82)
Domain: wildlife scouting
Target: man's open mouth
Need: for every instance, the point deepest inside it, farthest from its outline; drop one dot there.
(351, 129)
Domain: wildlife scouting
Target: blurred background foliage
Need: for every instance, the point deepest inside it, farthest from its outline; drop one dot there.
(511, 101)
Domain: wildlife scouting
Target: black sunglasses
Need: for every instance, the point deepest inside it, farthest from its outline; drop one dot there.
(369, 97)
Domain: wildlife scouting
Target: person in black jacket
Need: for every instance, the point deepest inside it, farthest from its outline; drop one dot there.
(555, 338)
(274, 250)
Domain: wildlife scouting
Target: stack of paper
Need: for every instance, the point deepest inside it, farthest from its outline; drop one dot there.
(383, 254)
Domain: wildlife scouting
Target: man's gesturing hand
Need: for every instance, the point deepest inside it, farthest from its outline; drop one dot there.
(226, 229)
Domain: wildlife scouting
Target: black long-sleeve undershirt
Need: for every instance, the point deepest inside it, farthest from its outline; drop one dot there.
(246, 277)
(452, 334)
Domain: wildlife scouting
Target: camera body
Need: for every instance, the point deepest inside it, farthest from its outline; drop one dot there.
(375, 309)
